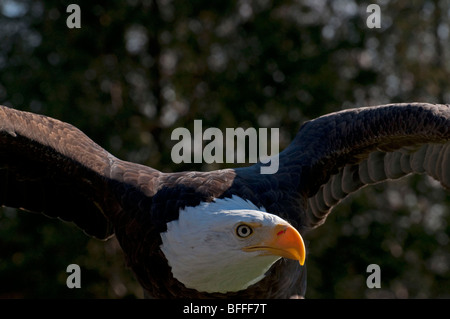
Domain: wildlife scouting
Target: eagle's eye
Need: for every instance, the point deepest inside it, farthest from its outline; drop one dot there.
(244, 230)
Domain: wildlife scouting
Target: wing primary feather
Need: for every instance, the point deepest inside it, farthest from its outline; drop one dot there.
(51, 167)
(338, 153)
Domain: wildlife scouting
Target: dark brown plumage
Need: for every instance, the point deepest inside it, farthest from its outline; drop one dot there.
(51, 167)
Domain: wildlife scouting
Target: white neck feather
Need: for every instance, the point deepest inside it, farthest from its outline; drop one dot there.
(205, 254)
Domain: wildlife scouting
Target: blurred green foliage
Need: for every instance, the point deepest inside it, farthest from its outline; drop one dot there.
(137, 69)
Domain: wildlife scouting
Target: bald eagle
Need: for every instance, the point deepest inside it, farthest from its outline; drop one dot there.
(224, 233)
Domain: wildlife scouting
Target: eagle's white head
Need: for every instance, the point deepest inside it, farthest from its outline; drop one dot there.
(227, 245)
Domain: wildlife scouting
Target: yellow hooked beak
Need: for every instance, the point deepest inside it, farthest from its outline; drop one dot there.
(284, 241)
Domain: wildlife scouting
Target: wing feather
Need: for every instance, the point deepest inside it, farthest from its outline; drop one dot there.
(337, 154)
(409, 139)
(51, 167)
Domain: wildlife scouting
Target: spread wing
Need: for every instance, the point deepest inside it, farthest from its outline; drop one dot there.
(337, 154)
(50, 167)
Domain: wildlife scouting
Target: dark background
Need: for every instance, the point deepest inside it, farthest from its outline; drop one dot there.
(136, 70)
